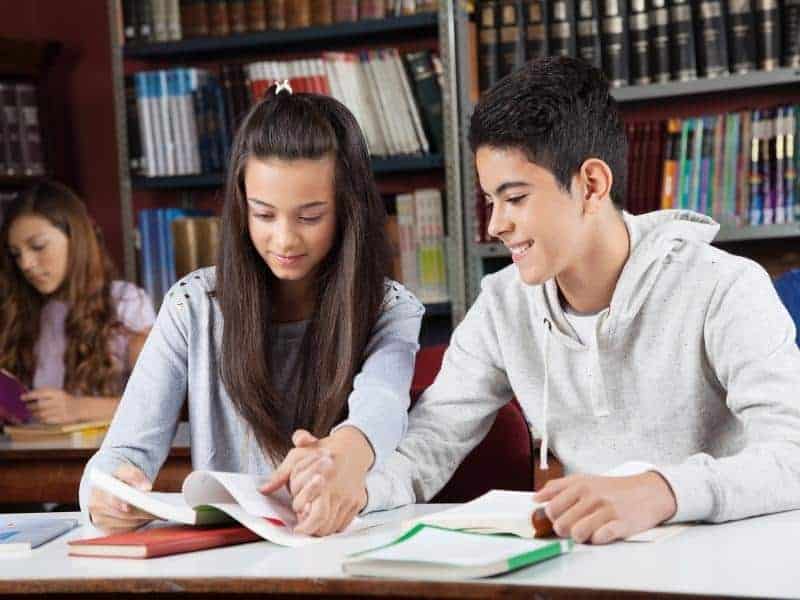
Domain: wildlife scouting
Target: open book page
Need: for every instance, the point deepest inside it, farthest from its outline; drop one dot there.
(497, 511)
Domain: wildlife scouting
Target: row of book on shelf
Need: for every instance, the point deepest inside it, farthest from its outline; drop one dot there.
(641, 41)
(170, 20)
(739, 168)
(181, 121)
(5, 199)
(20, 133)
(176, 241)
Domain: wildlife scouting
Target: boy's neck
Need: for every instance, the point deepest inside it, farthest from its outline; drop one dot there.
(588, 285)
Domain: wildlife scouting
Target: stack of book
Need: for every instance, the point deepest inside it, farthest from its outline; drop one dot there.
(41, 432)
(418, 237)
(181, 121)
(168, 20)
(174, 242)
(20, 134)
(641, 41)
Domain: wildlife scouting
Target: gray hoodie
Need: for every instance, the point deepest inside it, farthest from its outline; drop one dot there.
(695, 371)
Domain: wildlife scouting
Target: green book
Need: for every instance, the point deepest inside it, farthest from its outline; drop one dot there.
(426, 551)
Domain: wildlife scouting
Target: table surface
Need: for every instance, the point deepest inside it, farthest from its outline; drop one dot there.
(754, 557)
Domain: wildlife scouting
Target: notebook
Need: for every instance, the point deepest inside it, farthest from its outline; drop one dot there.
(11, 390)
(22, 534)
(152, 542)
(37, 432)
(214, 497)
(426, 551)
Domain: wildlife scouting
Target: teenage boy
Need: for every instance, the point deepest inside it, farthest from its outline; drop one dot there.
(624, 338)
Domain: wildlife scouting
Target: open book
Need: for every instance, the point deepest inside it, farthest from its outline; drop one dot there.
(214, 497)
(427, 551)
(502, 511)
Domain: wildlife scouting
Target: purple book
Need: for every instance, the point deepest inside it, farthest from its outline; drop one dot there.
(10, 402)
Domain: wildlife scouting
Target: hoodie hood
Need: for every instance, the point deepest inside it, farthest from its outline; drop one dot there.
(653, 238)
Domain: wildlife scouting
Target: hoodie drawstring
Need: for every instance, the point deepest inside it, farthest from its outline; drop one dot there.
(545, 394)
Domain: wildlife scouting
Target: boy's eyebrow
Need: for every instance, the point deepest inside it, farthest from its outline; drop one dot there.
(306, 205)
(510, 184)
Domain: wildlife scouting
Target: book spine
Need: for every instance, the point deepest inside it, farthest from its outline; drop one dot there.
(768, 34)
(791, 33)
(321, 12)
(741, 36)
(615, 43)
(160, 30)
(130, 26)
(561, 29)
(298, 14)
(174, 29)
(371, 9)
(145, 20)
(684, 63)
(790, 170)
(345, 11)
(658, 27)
(716, 191)
(536, 42)
(780, 168)
(638, 27)
(489, 66)
(713, 46)
(218, 18)
(706, 165)
(429, 96)
(670, 169)
(29, 131)
(756, 181)
(511, 49)
(237, 16)
(767, 158)
(588, 32)
(256, 15)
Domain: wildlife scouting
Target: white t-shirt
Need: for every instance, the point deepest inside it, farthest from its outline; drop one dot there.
(585, 325)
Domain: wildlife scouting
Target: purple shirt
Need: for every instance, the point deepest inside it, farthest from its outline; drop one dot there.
(134, 311)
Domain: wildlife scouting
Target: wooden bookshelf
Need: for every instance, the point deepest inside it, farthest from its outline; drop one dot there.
(308, 38)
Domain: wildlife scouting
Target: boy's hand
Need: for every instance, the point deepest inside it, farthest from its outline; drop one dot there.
(327, 486)
(598, 509)
(52, 405)
(113, 515)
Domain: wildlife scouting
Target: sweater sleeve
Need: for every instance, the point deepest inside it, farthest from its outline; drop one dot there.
(750, 344)
(378, 404)
(145, 422)
(452, 417)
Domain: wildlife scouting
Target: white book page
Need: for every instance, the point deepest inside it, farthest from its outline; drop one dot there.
(496, 511)
(171, 507)
(446, 547)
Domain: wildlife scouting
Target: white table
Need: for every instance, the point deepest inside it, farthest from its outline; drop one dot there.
(756, 558)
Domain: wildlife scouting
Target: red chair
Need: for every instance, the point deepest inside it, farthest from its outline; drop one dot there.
(503, 460)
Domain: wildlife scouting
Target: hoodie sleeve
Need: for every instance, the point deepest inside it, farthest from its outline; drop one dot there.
(750, 344)
(451, 417)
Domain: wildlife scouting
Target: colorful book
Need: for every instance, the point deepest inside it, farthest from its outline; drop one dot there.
(428, 551)
(161, 541)
(11, 402)
(23, 534)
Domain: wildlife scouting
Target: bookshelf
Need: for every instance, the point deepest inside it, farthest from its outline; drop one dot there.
(423, 30)
(698, 96)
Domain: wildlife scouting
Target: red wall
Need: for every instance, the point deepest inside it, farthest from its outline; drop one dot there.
(79, 128)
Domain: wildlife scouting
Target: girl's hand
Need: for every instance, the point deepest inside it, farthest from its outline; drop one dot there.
(51, 405)
(327, 481)
(113, 515)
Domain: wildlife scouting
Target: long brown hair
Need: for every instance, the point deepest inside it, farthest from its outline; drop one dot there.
(91, 318)
(349, 288)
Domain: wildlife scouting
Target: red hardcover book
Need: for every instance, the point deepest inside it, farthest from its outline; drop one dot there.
(161, 541)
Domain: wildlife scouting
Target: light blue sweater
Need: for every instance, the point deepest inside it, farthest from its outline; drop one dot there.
(180, 360)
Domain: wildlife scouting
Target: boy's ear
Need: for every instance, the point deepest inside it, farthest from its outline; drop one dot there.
(596, 178)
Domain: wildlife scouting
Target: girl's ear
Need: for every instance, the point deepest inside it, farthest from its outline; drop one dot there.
(596, 178)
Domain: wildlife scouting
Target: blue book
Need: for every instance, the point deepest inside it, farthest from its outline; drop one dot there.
(22, 534)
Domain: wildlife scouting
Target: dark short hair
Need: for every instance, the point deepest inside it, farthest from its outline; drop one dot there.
(559, 112)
